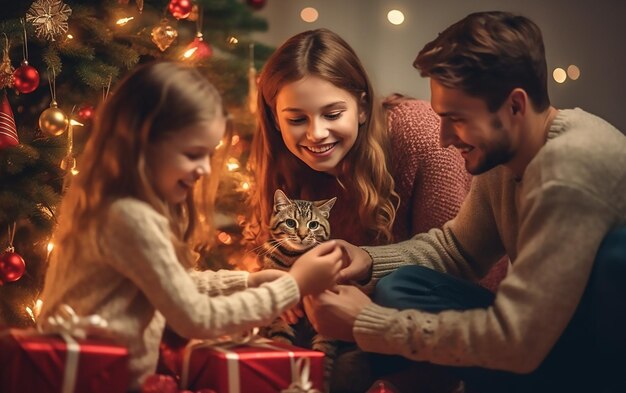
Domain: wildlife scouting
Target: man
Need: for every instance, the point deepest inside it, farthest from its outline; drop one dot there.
(549, 192)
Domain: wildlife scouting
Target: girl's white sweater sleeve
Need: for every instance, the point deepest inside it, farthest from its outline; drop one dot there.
(136, 241)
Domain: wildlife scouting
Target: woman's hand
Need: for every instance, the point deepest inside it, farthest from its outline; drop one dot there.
(292, 315)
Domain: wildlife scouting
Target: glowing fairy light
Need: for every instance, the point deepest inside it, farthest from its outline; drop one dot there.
(225, 238)
(33, 313)
(70, 37)
(245, 186)
(189, 52)
(235, 140)
(232, 164)
(74, 171)
(232, 41)
(123, 21)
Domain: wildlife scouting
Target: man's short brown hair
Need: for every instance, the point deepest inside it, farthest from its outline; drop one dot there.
(487, 55)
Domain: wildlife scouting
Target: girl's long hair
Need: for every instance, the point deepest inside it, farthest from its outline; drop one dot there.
(155, 100)
(364, 170)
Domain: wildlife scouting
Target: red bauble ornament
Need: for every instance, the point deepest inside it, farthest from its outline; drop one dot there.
(86, 112)
(26, 78)
(180, 8)
(256, 4)
(197, 50)
(12, 267)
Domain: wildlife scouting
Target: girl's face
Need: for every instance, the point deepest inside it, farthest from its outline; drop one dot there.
(179, 159)
(318, 121)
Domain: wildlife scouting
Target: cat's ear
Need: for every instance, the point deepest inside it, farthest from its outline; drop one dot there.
(280, 200)
(325, 206)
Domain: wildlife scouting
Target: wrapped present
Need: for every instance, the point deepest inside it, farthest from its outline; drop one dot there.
(257, 366)
(31, 361)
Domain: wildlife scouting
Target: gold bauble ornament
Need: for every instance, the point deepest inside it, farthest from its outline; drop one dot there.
(53, 121)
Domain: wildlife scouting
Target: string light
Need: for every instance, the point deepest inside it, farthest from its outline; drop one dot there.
(35, 311)
(123, 21)
(225, 238)
(232, 164)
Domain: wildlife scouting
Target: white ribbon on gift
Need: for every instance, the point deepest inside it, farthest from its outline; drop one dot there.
(300, 368)
(68, 325)
(300, 381)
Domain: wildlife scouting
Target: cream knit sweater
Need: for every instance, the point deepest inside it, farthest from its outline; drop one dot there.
(550, 224)
(127, 272)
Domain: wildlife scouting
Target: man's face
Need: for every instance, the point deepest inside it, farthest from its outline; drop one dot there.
(482, 137)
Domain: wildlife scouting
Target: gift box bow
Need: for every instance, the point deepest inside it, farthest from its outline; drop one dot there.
(69, 326)
(300, 368)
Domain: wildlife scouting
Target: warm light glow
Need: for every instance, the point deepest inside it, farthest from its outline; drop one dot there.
(559, 75)
(232, 40)
(189, 52)
(245, 186)
(309, 14)
(123, 21)
(573, 72)
(395, 17)
(220, 145)
(235, 140)
(50, 247)
(74, 171)
(75, 123)
(232, 164)
(70, 37)
(34, 312)
(225, 238)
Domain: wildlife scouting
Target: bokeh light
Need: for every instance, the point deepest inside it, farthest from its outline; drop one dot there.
(309, 14)
(395, 17)
(559, 75)
(573, 72)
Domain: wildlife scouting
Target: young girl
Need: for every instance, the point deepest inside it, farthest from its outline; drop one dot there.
(121, 241)
(323, 134)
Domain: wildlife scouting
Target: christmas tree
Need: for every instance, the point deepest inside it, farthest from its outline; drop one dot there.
(60, 60)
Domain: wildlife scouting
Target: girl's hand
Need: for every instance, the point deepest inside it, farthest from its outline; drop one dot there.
(318, 268)
(293, 315)
(257, 278)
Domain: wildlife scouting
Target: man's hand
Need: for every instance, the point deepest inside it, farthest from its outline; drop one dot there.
(357, 264)
(333, 312)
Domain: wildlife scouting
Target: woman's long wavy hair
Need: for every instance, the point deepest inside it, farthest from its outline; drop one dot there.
(365, 169)
(156, 100)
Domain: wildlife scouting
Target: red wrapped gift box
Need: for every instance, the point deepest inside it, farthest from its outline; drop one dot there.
(34, 362)
(259, 366)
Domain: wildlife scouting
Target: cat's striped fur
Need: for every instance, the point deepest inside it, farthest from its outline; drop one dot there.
(296, 226)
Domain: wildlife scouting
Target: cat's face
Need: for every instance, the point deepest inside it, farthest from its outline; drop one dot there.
(299, 225)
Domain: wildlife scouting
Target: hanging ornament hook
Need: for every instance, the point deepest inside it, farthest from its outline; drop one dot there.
(25, 48)
(12, 228)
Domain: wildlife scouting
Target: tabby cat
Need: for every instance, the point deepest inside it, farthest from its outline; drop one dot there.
(296, 226)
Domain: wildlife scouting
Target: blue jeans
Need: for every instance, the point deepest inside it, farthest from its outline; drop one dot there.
(590, 355)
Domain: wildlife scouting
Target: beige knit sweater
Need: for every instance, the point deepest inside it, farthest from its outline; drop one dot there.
(137, 279)
(550, 224)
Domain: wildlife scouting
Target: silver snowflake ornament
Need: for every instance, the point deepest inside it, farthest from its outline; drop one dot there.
(49, 17)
